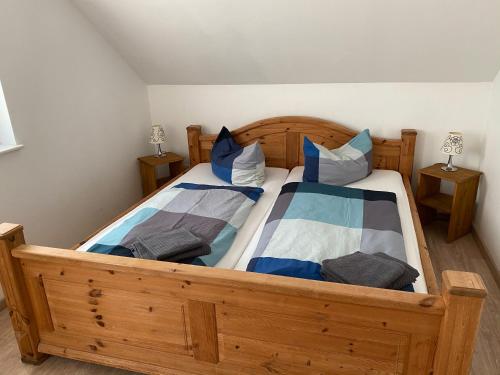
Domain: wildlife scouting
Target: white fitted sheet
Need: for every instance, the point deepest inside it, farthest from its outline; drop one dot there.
(381, 180)
(202, 174)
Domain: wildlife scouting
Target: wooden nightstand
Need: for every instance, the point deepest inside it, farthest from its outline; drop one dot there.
(148, 165)
(460, 205)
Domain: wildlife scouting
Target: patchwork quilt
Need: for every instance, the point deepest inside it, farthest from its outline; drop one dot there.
(311, 222)
(213, 213)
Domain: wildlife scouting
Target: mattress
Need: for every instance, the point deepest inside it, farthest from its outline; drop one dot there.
(381, 180)
(202, 174)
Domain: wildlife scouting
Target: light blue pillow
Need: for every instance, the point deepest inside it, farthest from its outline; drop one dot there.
(242, 166)
(340, 166)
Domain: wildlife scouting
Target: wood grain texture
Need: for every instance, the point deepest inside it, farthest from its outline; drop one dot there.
(17, 298)
(117, 308)
(460, 206)
(462, 174)
(465, 255)
(438, 201)
(409, 139)
(463, 208)
(203, 325)
(10, 363)
(462, 254)
(84, 291)
(281, 139)
(429, 273)
(154, 161)
(464, 295)
(149, 177)
(193, 135)
(428, 186)
(62, 264)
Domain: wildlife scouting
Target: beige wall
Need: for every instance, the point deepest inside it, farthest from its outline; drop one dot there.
(82, 115)
(385, 108)
(302, 41)
(488, 215)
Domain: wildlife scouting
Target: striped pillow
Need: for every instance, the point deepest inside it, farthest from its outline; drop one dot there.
(242, 166)
(341, 166)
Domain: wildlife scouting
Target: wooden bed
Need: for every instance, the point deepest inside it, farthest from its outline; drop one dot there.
(167, 318)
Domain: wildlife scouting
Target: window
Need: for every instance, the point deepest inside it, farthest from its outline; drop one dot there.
(7, 139)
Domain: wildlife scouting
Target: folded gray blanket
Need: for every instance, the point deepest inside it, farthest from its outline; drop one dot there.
(377, 270)
(409, 276)
(173, 245)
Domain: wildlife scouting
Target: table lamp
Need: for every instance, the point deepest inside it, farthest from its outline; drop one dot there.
(158, 138)
(452, 145)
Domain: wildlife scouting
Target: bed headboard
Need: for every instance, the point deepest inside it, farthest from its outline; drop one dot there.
(282, 140)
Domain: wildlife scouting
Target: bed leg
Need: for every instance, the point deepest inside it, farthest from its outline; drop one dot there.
(464, 294)
(16, 295)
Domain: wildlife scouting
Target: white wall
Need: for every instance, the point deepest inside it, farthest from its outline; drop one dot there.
(82, 115)
(385, 108)
(302, 41)
(487, 218)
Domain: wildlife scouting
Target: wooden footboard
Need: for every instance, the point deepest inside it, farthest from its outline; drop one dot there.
(166, 318)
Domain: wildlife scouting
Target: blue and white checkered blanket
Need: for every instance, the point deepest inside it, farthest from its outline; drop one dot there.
(212, 213)
(311, 222)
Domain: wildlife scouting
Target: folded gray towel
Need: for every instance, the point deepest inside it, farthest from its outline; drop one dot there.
(172, 245)
(378, 270)
(188, 256)
(140, 251)
(408, 277)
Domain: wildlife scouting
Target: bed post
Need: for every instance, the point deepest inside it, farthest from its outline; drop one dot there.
(16, 295)
(463, 294)
(193, 134)
(408, 140)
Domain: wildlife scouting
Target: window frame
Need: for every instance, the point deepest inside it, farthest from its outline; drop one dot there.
(8, 141)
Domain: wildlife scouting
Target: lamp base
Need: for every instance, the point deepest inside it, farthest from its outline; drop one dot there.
(159, 152)
(449, 167)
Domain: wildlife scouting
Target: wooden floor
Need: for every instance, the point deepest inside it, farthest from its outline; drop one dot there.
(462, 254)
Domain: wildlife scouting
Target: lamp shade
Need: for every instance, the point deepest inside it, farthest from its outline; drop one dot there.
(157, 135)
(453, 144)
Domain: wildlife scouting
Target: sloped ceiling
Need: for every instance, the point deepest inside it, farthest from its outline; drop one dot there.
(302, 41)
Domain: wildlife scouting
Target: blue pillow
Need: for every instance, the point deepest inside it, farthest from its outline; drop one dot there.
(341, 166)
(242, 166)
